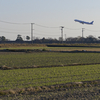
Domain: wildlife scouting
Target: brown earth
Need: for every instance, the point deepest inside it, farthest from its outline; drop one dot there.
(83, 93)
(88, 90)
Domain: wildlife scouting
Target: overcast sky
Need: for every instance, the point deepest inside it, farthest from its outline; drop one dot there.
(48, 16)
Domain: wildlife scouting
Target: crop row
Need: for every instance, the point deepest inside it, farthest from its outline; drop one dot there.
(46, 59)
(21, 78)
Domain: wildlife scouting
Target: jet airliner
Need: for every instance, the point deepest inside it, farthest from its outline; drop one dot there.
(83, 22)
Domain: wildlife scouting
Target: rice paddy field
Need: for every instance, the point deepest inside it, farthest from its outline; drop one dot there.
(12, 59)
(54, 48)
(44, 75)
(21, 78)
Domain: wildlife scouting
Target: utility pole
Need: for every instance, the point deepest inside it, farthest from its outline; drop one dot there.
(82, 31)
(65, 37)
(62, 33)
(82, 34)
(32, 31)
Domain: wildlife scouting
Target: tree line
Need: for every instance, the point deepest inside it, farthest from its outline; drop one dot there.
(79, 39)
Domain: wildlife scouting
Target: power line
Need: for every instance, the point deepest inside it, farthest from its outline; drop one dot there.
(42, 26)
(36, 25)
(92, 30)
(14, 23)
(12, 32)
(45, 26)
(10, 29)
(72, 28)
(46, 34)
(15, 31)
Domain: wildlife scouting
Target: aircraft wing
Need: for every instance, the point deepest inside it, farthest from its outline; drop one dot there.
(79, 21)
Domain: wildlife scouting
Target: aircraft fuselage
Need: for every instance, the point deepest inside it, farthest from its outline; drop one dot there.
(83, 22)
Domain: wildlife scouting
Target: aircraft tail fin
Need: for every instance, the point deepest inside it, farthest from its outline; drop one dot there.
(92, 22)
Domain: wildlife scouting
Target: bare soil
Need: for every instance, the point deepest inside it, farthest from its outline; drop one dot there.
(89, 90)
(87, 93)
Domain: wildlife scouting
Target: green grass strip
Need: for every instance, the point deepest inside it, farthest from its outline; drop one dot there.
(46, 59)
(21, 78)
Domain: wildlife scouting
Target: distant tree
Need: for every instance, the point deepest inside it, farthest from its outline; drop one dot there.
(2, 38)
(91, 39)
(99, 37)
(43, 39)
(60, 39)
(19, 38)
(69, 39)
(27, 37)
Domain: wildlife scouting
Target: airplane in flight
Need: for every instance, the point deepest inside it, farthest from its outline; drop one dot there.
(83, 22)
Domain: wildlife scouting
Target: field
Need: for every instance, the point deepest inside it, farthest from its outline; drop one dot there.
(50, 68)
(96, 47)
(55, 48)
(11, 59)
(21, 78)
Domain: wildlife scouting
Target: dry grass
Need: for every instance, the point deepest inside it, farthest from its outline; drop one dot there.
(12, 91)
(21, 45)
(4, 67)
(50, 88)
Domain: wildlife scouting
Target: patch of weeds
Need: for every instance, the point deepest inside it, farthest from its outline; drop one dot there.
(3, 93)
(43, 49)
(52, 87)
(30, 89)
(80, 85)
(22, 91)
(39, 89)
